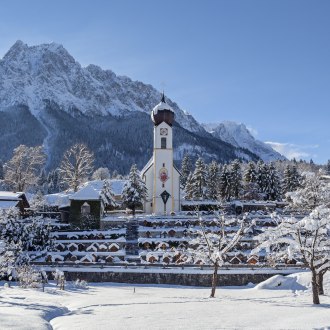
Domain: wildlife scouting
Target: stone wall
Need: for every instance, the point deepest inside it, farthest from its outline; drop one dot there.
(168, 278)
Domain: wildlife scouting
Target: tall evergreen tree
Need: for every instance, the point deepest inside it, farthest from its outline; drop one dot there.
(189, 188)
(225, 183)
(273, 183)
(186, 168)
(236, 179)
(287, 177)
(53, 182)
(250, 182)
(250, 174)
(199, 180)
(134, 191)
(212, 181)
(261, 176)
(291, 179)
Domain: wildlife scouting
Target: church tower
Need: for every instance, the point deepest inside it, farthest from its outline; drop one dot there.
(161, 177)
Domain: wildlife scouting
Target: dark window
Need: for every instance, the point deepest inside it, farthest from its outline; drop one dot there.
(163, 143)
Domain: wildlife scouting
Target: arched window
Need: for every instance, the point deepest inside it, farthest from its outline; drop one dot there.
(163, 143)
(85, 208)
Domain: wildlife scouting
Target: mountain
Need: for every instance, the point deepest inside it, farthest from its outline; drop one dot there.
(239, 136)
(46, 97)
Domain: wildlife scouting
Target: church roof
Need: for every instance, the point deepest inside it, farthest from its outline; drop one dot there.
(147, 166)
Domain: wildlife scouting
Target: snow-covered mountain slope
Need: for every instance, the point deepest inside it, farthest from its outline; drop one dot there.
(238, 135)
(31, 75)
(59, 103)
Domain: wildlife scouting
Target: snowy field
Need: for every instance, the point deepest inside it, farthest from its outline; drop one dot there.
(278, 303)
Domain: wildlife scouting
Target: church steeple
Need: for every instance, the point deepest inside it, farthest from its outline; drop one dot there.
(162, 112)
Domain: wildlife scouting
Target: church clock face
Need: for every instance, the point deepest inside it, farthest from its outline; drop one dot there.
(163, 131)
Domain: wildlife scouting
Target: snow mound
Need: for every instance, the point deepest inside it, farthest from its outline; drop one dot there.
(280, 282)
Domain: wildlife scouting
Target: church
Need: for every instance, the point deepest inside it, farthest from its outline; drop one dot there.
(162, 178)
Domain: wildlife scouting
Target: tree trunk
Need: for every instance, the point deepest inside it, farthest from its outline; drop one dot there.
(320, 283)
(214, 280)
(316, 299)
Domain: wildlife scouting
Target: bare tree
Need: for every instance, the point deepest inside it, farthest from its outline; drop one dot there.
(22, 171)
(212, 247)
(102, 173)
(76, 166)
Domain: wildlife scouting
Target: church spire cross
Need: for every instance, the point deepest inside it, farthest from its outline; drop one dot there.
(163, 98)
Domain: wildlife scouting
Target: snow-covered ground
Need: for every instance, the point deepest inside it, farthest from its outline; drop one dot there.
(278, 303)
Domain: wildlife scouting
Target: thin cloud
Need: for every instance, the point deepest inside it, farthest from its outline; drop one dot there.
(291, 150)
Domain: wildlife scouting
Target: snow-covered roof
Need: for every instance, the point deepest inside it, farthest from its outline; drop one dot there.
(59, 199)
(117, 186)
(9, 195)
(161, 106)
(89, 192)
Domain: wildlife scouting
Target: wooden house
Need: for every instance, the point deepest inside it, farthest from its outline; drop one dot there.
(10, 199)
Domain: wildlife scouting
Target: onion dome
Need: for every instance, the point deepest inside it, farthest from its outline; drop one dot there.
(162, 112)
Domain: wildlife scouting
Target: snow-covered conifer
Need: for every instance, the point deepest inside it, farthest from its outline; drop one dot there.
(198, 180)
(189, 188)
(134, 191)
(250, 174)
(262, 169)
(186, 168)
(235, 179)
(76, 166)
(273, 183)
(212, 181)
(225, 183)
(53, 182)
(250, 182)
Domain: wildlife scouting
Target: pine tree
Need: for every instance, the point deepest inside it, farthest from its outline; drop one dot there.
(291, 179)
(225, 183)
(295, 178)
(273, 183)
(189, 188)
(212, 181)
(186, 168)
(42, 181)
(199, 180)
(236, 179)
(287, 178)
(250, 174)
(53, 182)
(250, 182)
(261, 176)
(134, 191)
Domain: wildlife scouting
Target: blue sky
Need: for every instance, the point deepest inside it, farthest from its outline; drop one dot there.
(263, 63)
